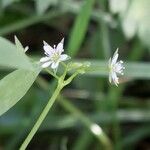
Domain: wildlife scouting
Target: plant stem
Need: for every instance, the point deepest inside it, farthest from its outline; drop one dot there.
(42, 116)
(101, 136)
(51, 73)
(71, 78)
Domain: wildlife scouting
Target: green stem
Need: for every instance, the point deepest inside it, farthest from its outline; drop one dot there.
(101, 136)
(51, 73)
(71, 78)
(63, 64)
(42, 116)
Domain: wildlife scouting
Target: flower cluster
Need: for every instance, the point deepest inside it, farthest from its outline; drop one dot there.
(54, 56)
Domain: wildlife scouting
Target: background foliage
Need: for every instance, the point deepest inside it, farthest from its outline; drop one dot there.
(93, 29)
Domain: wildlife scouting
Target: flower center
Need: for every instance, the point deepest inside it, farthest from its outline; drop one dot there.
(55, 57)
(118, 67)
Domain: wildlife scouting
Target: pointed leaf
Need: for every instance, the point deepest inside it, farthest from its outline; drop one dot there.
(19, 45)
(10, 56)
(80, 27)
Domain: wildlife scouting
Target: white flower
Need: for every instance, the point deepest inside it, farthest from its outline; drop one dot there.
(53, 55)
(26, 48)
(96, 129)
(115, 68)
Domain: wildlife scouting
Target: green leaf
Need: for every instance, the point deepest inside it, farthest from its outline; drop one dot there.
(19, 45)
(80, 27)
(10, 56)
(136, 135)
(14, 86)
(137, 70)
(42, 6)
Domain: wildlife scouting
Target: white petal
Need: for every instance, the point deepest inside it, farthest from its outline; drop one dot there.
(54, 65)
(26, 48)
(62, 41)
(59, 47)
(45, 65)
(115, 78)
(116, 83)
(44, 59)
(64, 57)
(110, 77)
(47, 48)
(115, 57)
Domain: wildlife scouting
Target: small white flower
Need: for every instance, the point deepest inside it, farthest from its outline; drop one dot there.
(96, 129)
(26, 48)
(115, 68)
(53, 55)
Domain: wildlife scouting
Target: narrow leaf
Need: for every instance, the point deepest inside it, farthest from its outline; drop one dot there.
(80, 27)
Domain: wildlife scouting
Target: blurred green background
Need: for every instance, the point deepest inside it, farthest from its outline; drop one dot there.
(93, 29)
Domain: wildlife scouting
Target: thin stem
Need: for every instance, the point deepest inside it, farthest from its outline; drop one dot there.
(51, 73)
(64, 65)
(42, 116)
(94, 128)
(100, 135)
(71, 78)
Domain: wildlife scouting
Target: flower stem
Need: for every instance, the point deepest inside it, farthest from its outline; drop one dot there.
(70, 78)
(63, 64)
(53, 74)
(42, 116)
